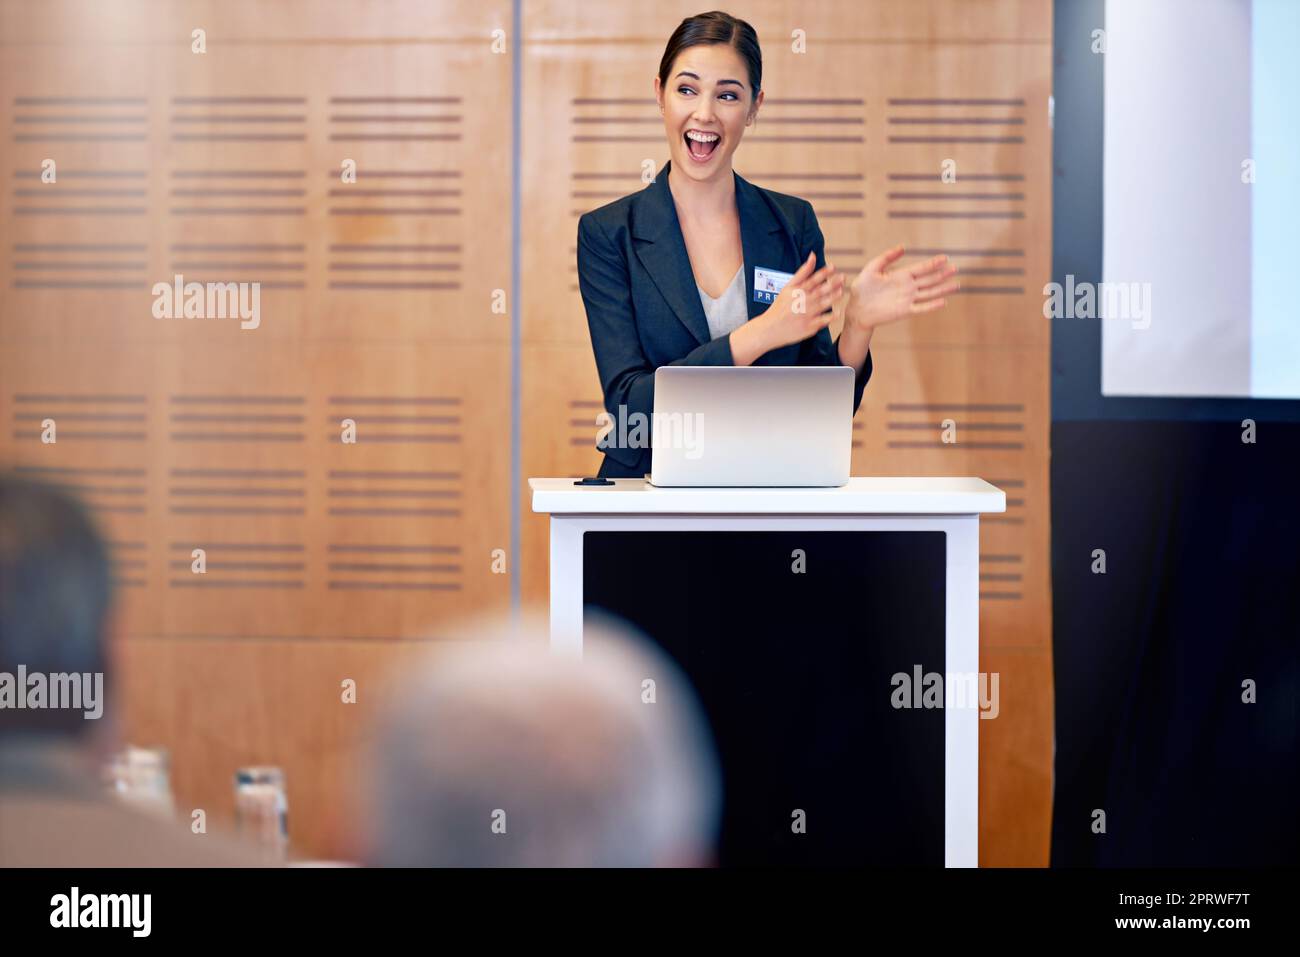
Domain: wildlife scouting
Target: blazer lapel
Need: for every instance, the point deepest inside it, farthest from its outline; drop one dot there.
(659, 245)
(657, 239)
(766, 239)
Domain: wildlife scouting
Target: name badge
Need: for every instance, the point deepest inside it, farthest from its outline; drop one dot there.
(769, 282)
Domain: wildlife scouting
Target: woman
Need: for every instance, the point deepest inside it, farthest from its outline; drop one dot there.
(687, 270)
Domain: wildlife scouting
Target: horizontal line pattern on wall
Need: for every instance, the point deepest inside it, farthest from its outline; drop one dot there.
(229, 167)
(362, 186)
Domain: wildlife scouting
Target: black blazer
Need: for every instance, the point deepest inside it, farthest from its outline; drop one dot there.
(644, 310)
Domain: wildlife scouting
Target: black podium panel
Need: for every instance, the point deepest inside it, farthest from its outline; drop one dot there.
(795, 672)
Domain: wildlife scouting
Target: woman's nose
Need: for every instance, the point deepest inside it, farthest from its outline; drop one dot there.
(703, 116)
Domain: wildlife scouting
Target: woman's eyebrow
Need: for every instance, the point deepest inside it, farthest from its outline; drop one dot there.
(720, 82)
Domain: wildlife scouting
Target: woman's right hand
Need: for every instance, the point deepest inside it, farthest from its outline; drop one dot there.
(801, 309)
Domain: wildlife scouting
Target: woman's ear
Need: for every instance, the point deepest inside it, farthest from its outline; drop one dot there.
(659, 93)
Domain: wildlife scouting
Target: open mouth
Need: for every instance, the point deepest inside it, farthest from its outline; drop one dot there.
(701, 145)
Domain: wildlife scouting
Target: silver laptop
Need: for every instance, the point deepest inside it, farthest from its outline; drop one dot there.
(752, 426)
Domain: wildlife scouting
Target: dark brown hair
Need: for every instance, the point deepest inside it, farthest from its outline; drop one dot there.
(55, 591)
(715, 27)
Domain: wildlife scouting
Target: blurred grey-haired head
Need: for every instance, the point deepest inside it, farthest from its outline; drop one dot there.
(497, 752)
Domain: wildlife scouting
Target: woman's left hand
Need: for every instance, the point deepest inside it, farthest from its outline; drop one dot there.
(879, 295)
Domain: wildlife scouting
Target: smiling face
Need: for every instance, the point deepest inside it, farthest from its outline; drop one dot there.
(707, 103)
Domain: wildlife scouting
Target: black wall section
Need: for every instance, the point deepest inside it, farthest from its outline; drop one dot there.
(794, 672)
(1202, 591)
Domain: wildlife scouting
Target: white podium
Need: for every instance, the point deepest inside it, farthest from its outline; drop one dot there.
(948, 505)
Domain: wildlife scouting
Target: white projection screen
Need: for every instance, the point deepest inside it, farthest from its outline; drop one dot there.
(1202, 199)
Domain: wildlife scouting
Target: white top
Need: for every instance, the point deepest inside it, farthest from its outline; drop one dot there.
(862, 496)
(728, 311)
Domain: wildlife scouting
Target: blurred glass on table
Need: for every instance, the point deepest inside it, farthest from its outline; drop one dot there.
(141, 778)
(262, 810)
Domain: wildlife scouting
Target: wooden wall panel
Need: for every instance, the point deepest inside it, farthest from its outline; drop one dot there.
(860, 125)
(377, 306)
(325, 559)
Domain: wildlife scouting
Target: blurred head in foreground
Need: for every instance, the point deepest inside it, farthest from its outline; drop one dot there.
(55, 602)
(54, 606)
(499, 753)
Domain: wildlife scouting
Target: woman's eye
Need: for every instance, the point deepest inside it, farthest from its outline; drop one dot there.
(684, 89)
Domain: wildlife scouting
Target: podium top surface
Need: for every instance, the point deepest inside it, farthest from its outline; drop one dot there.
(862, 496)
